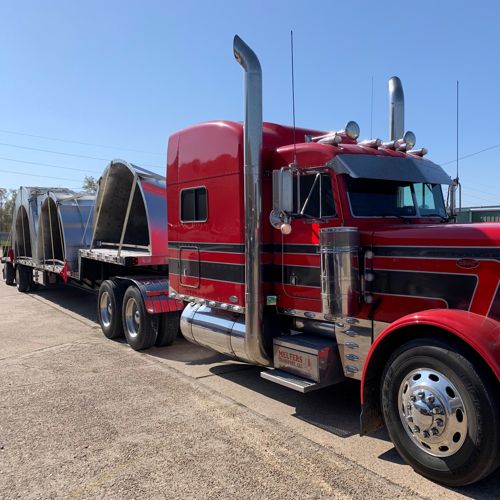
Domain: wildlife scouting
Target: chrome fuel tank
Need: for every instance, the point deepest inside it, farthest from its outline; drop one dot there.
(222, 331)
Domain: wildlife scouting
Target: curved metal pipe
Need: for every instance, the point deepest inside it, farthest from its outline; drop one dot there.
(396, 109)
(252, 149)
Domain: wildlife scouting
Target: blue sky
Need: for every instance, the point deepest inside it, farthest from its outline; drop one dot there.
(126, 74)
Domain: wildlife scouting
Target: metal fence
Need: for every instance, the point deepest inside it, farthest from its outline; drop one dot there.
(479, 214)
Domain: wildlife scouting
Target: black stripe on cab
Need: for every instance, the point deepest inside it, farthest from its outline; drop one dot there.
(492, 253)
(456, 289)
(208, 247)
(237, 248)
(298, 275)
(208, 270)
(495, 306)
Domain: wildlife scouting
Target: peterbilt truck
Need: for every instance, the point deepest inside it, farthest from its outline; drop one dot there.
(319, 257)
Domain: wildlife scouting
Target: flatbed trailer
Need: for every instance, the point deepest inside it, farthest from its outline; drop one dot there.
(113, 241)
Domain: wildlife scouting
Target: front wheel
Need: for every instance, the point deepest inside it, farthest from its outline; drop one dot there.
(140, 327)
(441, 412)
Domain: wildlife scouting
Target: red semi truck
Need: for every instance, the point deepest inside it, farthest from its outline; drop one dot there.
(321, 257)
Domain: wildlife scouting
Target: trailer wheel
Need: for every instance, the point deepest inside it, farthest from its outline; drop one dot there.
(109, 305)
(33, 284)
(23, 278)
(140, 327)
(9, 273)
(169, 328)
(442, 412)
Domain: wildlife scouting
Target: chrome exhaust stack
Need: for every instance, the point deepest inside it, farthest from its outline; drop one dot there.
(396, 109)
(252, 149)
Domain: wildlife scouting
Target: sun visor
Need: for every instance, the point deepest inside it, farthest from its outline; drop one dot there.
(390, 168)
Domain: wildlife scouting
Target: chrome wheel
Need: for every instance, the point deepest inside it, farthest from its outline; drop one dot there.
(132, 318)
(432, 412)
(106, 309)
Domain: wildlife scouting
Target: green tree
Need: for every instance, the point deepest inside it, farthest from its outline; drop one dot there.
(7, 201)
(90, 184)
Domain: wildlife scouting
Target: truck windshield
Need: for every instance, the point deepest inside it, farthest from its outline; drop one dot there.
(382, 198)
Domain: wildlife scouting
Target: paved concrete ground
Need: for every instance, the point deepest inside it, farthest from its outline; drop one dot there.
(85, 417)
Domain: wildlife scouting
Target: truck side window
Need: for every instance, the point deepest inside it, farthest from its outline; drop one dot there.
(316, 196)
(194, 205)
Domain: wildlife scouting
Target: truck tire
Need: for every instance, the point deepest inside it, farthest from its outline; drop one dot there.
(9, 274)
(442, 412)
(169, 328)
(140, 327)
(33, 284)
(23, 278)
(109, 306)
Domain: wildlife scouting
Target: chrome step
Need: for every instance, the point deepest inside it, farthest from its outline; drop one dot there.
(291, 381)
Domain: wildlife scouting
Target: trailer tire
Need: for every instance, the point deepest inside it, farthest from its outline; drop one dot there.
(34, 286)
(9, 273)
(109, 306)
(140, 328)
(169, 328)
(442, 412)
(23, 278)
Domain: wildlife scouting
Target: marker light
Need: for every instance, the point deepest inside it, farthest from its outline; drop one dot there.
(409, 139)
(352, 130)
(418, 152)
(371, 143)
(333, 139)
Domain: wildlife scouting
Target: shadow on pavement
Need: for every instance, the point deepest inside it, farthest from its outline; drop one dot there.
(77, 300)
(335, 409)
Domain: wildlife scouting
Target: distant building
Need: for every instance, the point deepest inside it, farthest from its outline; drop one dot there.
(479, 214)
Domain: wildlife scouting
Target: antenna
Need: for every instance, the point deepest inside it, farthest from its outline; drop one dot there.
(293, 101)
(457, 125)
(371, 113)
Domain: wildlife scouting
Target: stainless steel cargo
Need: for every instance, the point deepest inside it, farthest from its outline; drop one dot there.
(64, 227)
(130, 224)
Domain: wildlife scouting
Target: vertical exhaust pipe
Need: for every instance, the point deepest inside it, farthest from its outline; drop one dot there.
(252, 149)
(396, 109)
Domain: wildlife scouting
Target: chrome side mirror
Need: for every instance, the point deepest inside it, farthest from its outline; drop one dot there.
(282, 200)
(283, 190)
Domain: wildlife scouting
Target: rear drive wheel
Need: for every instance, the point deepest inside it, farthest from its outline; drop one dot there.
(442, 412)
(109, 306)
(168, 329)
(9, 273)
(23, 278)
(140, 327)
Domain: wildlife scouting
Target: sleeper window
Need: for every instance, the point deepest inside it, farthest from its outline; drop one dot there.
(194, 205)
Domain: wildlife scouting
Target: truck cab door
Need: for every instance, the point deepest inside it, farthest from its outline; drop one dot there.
(299, 259)
(189, 266)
